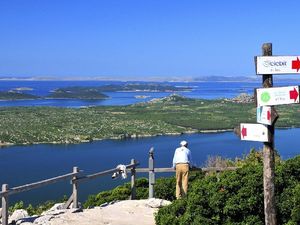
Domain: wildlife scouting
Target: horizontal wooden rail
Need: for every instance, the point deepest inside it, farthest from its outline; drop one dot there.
(38, 184)
(103, 173)
(172, 170)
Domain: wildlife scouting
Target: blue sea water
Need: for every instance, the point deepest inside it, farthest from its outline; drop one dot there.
(25, 164)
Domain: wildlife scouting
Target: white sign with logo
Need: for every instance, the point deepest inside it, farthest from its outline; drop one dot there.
(277, 96)
(277, 64)
(254, 132)
(264, 115)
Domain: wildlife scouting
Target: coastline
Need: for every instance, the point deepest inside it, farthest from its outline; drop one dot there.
(120, 137)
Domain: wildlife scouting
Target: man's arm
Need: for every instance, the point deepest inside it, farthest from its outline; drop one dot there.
(174, 160)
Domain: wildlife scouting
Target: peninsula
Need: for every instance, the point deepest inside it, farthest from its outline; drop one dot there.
(170, 115)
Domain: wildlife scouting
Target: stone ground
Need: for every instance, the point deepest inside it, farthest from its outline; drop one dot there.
(129, 212)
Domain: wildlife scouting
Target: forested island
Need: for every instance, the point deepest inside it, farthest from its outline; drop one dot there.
(166, 116)
(89, 93)
(14, 95)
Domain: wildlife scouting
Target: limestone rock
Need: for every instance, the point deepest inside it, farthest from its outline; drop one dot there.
(157, 203)
(17, 215)
(43, 219)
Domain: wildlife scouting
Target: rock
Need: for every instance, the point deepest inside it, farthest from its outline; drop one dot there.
(27, 220)
(43, 219)
(243, 98)
(104, 204)
(57, 206)
(157, 203)
(25, 223)
(17, 215)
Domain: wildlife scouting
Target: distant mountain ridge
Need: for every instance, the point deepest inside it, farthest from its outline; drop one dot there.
(253, 78)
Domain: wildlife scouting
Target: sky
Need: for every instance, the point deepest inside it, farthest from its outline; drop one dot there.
(143, 38)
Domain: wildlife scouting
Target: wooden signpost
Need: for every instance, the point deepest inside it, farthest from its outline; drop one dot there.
(268, 155)
(267, 98)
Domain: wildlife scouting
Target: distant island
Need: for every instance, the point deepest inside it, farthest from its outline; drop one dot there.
(146, 87)
(92, 93)
(13, 95)
(78, 92)
(86, 93)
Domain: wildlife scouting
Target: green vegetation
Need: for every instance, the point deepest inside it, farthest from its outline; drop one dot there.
(13, 95)
(38, 209)
(236, 197)
(170, 115)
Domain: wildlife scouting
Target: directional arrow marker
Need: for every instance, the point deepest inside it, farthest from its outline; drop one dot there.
(277, 64)
(269, 115)
(254, 132)
(294, 94)
(277, 96)
(244, 132)
(296, 64)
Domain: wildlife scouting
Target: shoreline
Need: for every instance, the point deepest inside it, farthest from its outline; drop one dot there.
(122, 137)
(135, 136)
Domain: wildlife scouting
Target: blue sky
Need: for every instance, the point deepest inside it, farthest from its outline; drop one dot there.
(143, 38)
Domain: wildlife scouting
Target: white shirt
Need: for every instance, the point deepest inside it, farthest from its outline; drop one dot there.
(182, 155)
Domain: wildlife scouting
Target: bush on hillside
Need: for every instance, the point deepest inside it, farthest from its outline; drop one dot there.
(236, 197)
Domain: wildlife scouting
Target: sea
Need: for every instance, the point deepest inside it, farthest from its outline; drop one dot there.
(21, 165)
(204, 90)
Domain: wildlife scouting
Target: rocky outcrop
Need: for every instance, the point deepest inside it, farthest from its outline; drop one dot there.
(242, 98)
(123, 212)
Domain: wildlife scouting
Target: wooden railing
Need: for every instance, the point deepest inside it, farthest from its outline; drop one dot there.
(76, 180)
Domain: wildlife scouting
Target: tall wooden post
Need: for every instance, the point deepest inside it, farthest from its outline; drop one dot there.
(133, 178)
(5, 205)
(75, 189)
(269, 157)
(151, 173)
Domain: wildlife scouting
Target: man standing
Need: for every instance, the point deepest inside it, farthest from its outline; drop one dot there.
(182, 161)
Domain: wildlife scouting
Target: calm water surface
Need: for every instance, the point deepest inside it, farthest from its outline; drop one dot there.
(24, 164)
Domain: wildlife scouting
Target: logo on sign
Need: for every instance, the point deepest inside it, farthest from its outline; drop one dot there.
(265, 97)
(269, 63)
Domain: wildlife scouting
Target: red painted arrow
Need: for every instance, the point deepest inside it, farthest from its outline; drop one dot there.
(294, 94)
(244, 132)
(268, 115)
(296, 64)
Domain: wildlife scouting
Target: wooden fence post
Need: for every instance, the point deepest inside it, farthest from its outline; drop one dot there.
(75, 189)
(5, 205)
(151, 173)
(133, 177)
(269, 157)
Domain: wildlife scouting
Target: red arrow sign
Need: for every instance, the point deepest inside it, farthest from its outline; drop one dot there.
(244, 132)
(268, 115)
(296, 64)
(294, 94)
